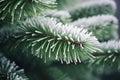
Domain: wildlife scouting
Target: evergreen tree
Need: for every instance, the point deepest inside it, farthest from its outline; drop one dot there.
(52, 40)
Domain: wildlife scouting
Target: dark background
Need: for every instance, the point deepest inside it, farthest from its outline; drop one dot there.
(118, 13)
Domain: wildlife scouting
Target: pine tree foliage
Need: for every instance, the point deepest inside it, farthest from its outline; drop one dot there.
(65, 4)
(104, 27)
(50, 38)
(92, 8)
(112, 46)
(46, 37)
(62, 15)
(9, 71)
(12, 10)
(110, 56)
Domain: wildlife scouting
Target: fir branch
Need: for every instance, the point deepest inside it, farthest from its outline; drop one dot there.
(45, 38)
(15, 10)
(91, 8)
(9, 71)
(104, 27)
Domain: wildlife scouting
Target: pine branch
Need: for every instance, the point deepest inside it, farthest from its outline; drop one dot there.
(62, 15)
(104, 27)
(46, 38)
(16, 10)
(91, 8)
(111, 46)
(65, 4)
(110, 56)
(9, 71)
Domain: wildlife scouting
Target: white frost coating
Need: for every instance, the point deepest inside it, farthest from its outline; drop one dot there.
(64, 31)
(45, 1)
(111, 46)
(96, 2)
(100, 20)
(62, 13)
(58, 13)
